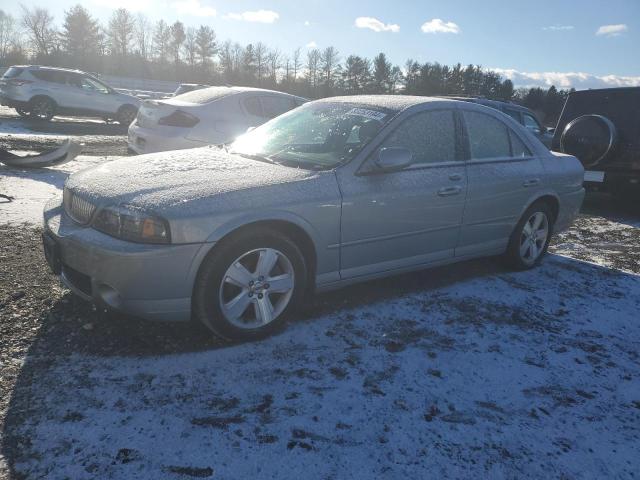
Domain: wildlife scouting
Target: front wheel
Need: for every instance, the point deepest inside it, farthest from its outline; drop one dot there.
(248, 285)
(530, 239)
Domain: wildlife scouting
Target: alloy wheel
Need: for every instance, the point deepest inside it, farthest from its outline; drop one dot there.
(256, 288)
(534, 237)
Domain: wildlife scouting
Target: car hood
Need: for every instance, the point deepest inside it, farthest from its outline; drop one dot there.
(168, 181)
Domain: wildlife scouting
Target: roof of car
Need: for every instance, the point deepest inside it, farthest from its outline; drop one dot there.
(489, 103)
(46, 67)
(389, 102)
(595, 91)
(253, 89)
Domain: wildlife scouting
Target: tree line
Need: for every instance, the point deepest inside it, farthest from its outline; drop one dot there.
(131, 45)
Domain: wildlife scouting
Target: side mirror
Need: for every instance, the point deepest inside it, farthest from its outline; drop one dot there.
(393, 159)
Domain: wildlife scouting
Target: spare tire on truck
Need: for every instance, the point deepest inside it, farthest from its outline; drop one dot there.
(590, 138)
(601, 127)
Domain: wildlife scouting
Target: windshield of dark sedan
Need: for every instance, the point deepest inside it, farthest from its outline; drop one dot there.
(315, 135)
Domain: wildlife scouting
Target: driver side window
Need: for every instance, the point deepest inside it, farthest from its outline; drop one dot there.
(429, 136)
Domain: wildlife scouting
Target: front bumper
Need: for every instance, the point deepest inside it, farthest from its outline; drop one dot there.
(154, 282)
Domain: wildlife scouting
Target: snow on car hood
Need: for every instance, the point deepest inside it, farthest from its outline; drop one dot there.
(163, 180)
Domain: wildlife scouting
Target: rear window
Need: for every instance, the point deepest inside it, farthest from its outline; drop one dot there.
(13, 72)
(204, 95)
(274, 106)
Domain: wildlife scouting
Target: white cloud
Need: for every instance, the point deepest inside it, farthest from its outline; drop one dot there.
(558, 28)
(612, 30)
(312, 44)
(307, 23)
(565, 80)
(194, 8)
(131, 5)
(439, 26)
(376, 25)
(260, 16)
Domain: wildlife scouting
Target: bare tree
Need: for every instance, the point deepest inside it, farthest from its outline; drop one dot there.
(38, 23)
(8, 33)
(190, 47)
(330, 63)
(273, 60)
(238, 55)
(260, 54)
(143, 36)
(297, 63)
(161, 39)
(313, 66)
(121, 31)
(177, 39)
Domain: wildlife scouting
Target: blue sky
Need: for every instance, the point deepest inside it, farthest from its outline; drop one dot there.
(533, 42)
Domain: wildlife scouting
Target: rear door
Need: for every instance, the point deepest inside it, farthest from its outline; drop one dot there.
(503, 176)
(411, 217)
(54, 84)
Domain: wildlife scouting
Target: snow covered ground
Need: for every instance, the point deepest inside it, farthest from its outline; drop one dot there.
(30, 188)
(466, 372)
(508, 375)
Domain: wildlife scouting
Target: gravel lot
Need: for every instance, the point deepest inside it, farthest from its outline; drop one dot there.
(466, 371)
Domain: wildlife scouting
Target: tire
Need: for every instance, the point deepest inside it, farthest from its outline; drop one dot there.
(22, 112)
(126, 115)
(527, 247)
(590, 138)
(42, 108)
(230, 280)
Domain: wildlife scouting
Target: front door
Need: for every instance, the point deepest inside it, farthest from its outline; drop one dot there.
(410, 217)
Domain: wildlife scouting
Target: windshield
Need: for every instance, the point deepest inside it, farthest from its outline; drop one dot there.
(314, 136)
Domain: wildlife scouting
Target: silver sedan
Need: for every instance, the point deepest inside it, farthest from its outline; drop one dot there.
(334, 192)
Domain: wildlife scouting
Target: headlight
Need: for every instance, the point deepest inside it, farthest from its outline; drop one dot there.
(131, 224)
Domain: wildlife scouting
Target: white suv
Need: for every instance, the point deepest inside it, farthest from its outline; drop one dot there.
(42, 92)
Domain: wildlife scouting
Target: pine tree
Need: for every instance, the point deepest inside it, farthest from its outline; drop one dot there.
(80, 36)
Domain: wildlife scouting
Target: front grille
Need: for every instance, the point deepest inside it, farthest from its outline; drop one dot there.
(79, 209)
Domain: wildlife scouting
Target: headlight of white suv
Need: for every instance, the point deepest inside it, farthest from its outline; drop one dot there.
(131, 224)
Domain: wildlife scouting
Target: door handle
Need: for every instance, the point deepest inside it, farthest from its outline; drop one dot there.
(448, 191)
(531, 183)
(455, 177)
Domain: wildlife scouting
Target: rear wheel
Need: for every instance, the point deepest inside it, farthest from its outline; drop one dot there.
(42, 108)
(248, 285)
(530, 239)
(126, 115)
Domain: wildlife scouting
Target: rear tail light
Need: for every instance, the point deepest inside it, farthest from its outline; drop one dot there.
(16, 82)
(179, 119)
